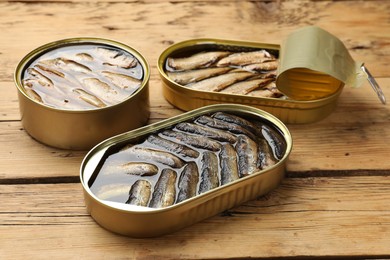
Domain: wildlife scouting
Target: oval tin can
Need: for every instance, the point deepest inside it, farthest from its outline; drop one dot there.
(287, 110)
(81, 129)
(138, 221)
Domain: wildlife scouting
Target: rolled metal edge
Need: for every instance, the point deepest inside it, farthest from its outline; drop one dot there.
(287, 110)
(147, 222)
(81, 129)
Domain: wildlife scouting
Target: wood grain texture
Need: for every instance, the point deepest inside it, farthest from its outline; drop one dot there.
(354, 137)
(151, 26)
(334, 202)
(300, 218)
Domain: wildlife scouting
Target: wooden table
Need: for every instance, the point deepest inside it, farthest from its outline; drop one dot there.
(336, 197)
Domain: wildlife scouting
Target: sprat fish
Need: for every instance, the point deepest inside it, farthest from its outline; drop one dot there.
(89, 76)
(227, 72)
(113, 57)
(189, 158)
(245, 58)
(220, 82)
(196, 61)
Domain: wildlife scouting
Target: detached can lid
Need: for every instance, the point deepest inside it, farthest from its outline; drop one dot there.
(315, 64)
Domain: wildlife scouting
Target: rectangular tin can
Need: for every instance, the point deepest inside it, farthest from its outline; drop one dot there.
(287, 110)
(81, 129)
(138, 221)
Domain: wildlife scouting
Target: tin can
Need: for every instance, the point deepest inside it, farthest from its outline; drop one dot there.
(287, 110)
(81, 129)
(138, 221)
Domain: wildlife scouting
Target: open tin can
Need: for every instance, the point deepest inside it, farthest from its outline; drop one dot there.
(65, 89)
(187, 98)
(125, 216)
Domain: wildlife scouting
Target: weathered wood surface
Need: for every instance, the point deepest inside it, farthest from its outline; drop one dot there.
(300, 218)
(354, 137)
(334, 201)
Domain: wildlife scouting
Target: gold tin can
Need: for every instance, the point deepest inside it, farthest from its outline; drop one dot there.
(287, 110)
(138, 221)
(81, 129)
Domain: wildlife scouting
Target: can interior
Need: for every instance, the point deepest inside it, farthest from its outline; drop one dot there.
(200, 47)
(34, 55)
(95, 181)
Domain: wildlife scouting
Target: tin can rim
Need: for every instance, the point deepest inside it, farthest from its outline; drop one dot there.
(204, 41)
(101, 148)
(35, 53)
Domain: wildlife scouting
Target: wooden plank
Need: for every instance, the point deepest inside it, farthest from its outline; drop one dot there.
(9, 105)
(165, 26)
(23, 157)
(127, 1)
(351, 138)
(300, 218)
(152, 26)
(42, 213)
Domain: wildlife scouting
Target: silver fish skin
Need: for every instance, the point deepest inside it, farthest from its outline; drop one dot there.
(33, 94)
(275, 141)
(123, 81)
(257, 75)
(188, 182)
(164, 193)
(212, 133)
(42, 79)
(269, 90)
(218, 83)
(244, 58)
(265, 157)
(103, 91)
(67, 65)
(109, 191)
(84, 56)
(243, 88)
(194, 140)
(209, 172)
(247, 151)
(238, 121)
(220, 124)
(264, 66)
(89, 98)
(50, 70)
(154, 156)
(196, 61)
(269, 74)
(172, 146)
(96, 85)
(32, 87)
(132, 168)
(190, 76)
(140, 193)
(117, 58)
(229, 164)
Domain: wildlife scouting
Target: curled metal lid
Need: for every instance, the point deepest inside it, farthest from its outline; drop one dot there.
(315, 64)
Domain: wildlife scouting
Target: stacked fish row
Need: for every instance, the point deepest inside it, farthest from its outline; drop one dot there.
(91, 77)
(191, 158)
(249, 73)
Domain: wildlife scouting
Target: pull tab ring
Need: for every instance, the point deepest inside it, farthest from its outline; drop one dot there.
(374, 85)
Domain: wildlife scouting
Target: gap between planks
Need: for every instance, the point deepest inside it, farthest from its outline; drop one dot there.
(290, 174)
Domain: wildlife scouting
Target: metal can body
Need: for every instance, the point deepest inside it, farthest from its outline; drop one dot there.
(149, 222)
(287, 110)
(81, 129)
